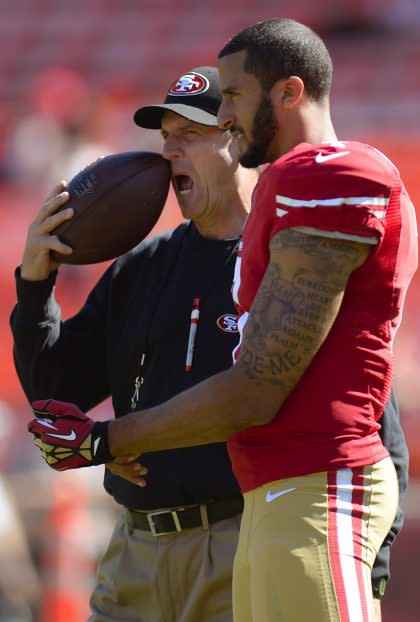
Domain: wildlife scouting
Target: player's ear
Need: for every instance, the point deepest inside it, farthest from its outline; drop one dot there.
(287, 94)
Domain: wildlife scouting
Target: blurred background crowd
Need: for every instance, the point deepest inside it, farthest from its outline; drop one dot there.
(72, 72)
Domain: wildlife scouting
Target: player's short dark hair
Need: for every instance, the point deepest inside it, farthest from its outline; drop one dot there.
(279, 48)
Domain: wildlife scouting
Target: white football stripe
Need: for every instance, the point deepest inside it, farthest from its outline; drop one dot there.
(332, 202)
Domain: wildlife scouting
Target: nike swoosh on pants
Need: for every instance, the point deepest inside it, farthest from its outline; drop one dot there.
(271, 496)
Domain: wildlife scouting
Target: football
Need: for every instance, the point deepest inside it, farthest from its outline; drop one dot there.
(117, 200)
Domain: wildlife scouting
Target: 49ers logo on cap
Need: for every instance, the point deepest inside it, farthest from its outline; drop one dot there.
(189, 84)
(228, 323)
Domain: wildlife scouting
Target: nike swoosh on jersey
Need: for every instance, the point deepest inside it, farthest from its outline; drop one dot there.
(65, 437)
(320, 157)
(271, 496)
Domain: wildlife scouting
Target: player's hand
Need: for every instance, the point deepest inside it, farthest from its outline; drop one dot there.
(66, 437)
(129, 468)
(37, 263)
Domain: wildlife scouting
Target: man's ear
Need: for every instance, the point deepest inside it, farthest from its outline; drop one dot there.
(287, 94)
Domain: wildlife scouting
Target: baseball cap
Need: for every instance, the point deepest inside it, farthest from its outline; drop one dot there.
(195, 95)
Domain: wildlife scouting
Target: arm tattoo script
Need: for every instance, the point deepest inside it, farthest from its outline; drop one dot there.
(296, 305)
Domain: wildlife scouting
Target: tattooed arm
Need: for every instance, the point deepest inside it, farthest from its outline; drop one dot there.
(295, 307)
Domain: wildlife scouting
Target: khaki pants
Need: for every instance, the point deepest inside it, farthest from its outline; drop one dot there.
(185, 577)
(307, 546)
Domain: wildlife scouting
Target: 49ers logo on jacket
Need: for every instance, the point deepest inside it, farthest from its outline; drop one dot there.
(189, 84)
(228, 323)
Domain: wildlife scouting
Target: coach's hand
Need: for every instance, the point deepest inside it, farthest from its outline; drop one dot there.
(129, 468)
(66, 437)
(37, 263)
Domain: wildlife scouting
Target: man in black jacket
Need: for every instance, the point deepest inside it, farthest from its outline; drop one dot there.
(171, 553)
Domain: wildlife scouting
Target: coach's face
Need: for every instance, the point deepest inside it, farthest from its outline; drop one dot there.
(247, 111)
(204, 160)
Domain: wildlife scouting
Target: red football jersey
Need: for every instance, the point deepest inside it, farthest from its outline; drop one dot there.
(344, 190)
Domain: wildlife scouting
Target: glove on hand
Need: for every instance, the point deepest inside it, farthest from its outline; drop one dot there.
(66, 437)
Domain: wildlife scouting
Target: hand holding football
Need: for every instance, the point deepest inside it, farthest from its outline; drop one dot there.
(117, 200)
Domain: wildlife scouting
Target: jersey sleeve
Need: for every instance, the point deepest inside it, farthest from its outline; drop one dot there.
(333, 198)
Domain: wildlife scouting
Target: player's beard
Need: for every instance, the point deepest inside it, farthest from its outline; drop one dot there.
(264, 129)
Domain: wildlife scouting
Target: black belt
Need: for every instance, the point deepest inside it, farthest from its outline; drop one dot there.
(161, 522)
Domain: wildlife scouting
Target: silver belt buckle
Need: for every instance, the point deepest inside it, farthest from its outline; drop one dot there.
(175, 518)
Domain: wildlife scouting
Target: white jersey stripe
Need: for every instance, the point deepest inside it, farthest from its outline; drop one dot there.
(374, 201)
(241, 325)
(237, 276)
(336, 235)
(345, 544)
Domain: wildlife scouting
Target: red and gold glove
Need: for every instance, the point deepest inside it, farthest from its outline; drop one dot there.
(66, 437)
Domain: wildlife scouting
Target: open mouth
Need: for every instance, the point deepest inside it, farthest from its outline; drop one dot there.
(183, 184)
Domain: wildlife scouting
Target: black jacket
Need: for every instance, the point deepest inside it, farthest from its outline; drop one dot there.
(142, 305)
